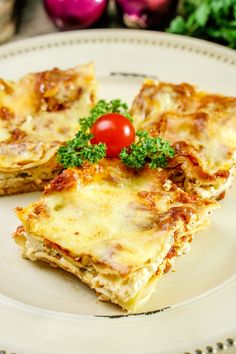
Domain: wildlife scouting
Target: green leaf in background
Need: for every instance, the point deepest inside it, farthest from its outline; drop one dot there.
(202, 14)
(234, 10)
(221, 9)
(178, 26)
(187, 7)
(210, 19)
(229, 35)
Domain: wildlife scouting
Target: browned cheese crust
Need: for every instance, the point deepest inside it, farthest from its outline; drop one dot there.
(117, 229)
(200, 126)
(37, 115)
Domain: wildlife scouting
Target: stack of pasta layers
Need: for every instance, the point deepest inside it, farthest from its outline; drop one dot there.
(116, 228)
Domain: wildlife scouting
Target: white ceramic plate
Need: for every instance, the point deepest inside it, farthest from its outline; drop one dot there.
(43, 310)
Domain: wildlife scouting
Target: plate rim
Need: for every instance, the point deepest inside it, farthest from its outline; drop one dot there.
(175, 41)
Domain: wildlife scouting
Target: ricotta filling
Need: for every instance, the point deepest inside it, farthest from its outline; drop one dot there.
(121, 290)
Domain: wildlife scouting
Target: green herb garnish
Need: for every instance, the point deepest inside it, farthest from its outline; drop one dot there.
(210, 19)
(79, 150)
(104, 107)
(152, 150)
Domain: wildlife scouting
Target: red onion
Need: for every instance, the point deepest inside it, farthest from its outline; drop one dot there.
(75, 14)
(145, 13)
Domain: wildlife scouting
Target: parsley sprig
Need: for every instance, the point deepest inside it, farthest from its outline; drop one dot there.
(154, 151)
(103, 107)
(210, 19)
(79, 149)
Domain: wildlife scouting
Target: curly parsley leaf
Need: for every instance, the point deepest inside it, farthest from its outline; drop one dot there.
(154, 151)
(78, 150)
(104, 107)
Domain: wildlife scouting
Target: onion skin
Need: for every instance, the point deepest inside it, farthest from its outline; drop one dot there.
(145, 14)
(75, 14)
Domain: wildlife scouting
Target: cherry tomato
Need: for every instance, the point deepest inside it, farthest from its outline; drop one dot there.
(114, 130)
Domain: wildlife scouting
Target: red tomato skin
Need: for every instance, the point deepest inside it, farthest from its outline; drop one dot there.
(114, 130)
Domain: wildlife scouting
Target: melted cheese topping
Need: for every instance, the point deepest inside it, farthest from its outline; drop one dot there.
(118, 218)
(201, 127)
(40, 112)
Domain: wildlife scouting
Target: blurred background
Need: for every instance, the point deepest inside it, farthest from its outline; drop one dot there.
(213, 20)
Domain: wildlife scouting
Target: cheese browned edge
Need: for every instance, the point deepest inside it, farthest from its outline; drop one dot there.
(37, 115)
(202, 129)
(116, 229)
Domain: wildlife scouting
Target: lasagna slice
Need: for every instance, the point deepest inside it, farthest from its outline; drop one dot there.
(202, 129)
(115, 228)
(37, 114)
